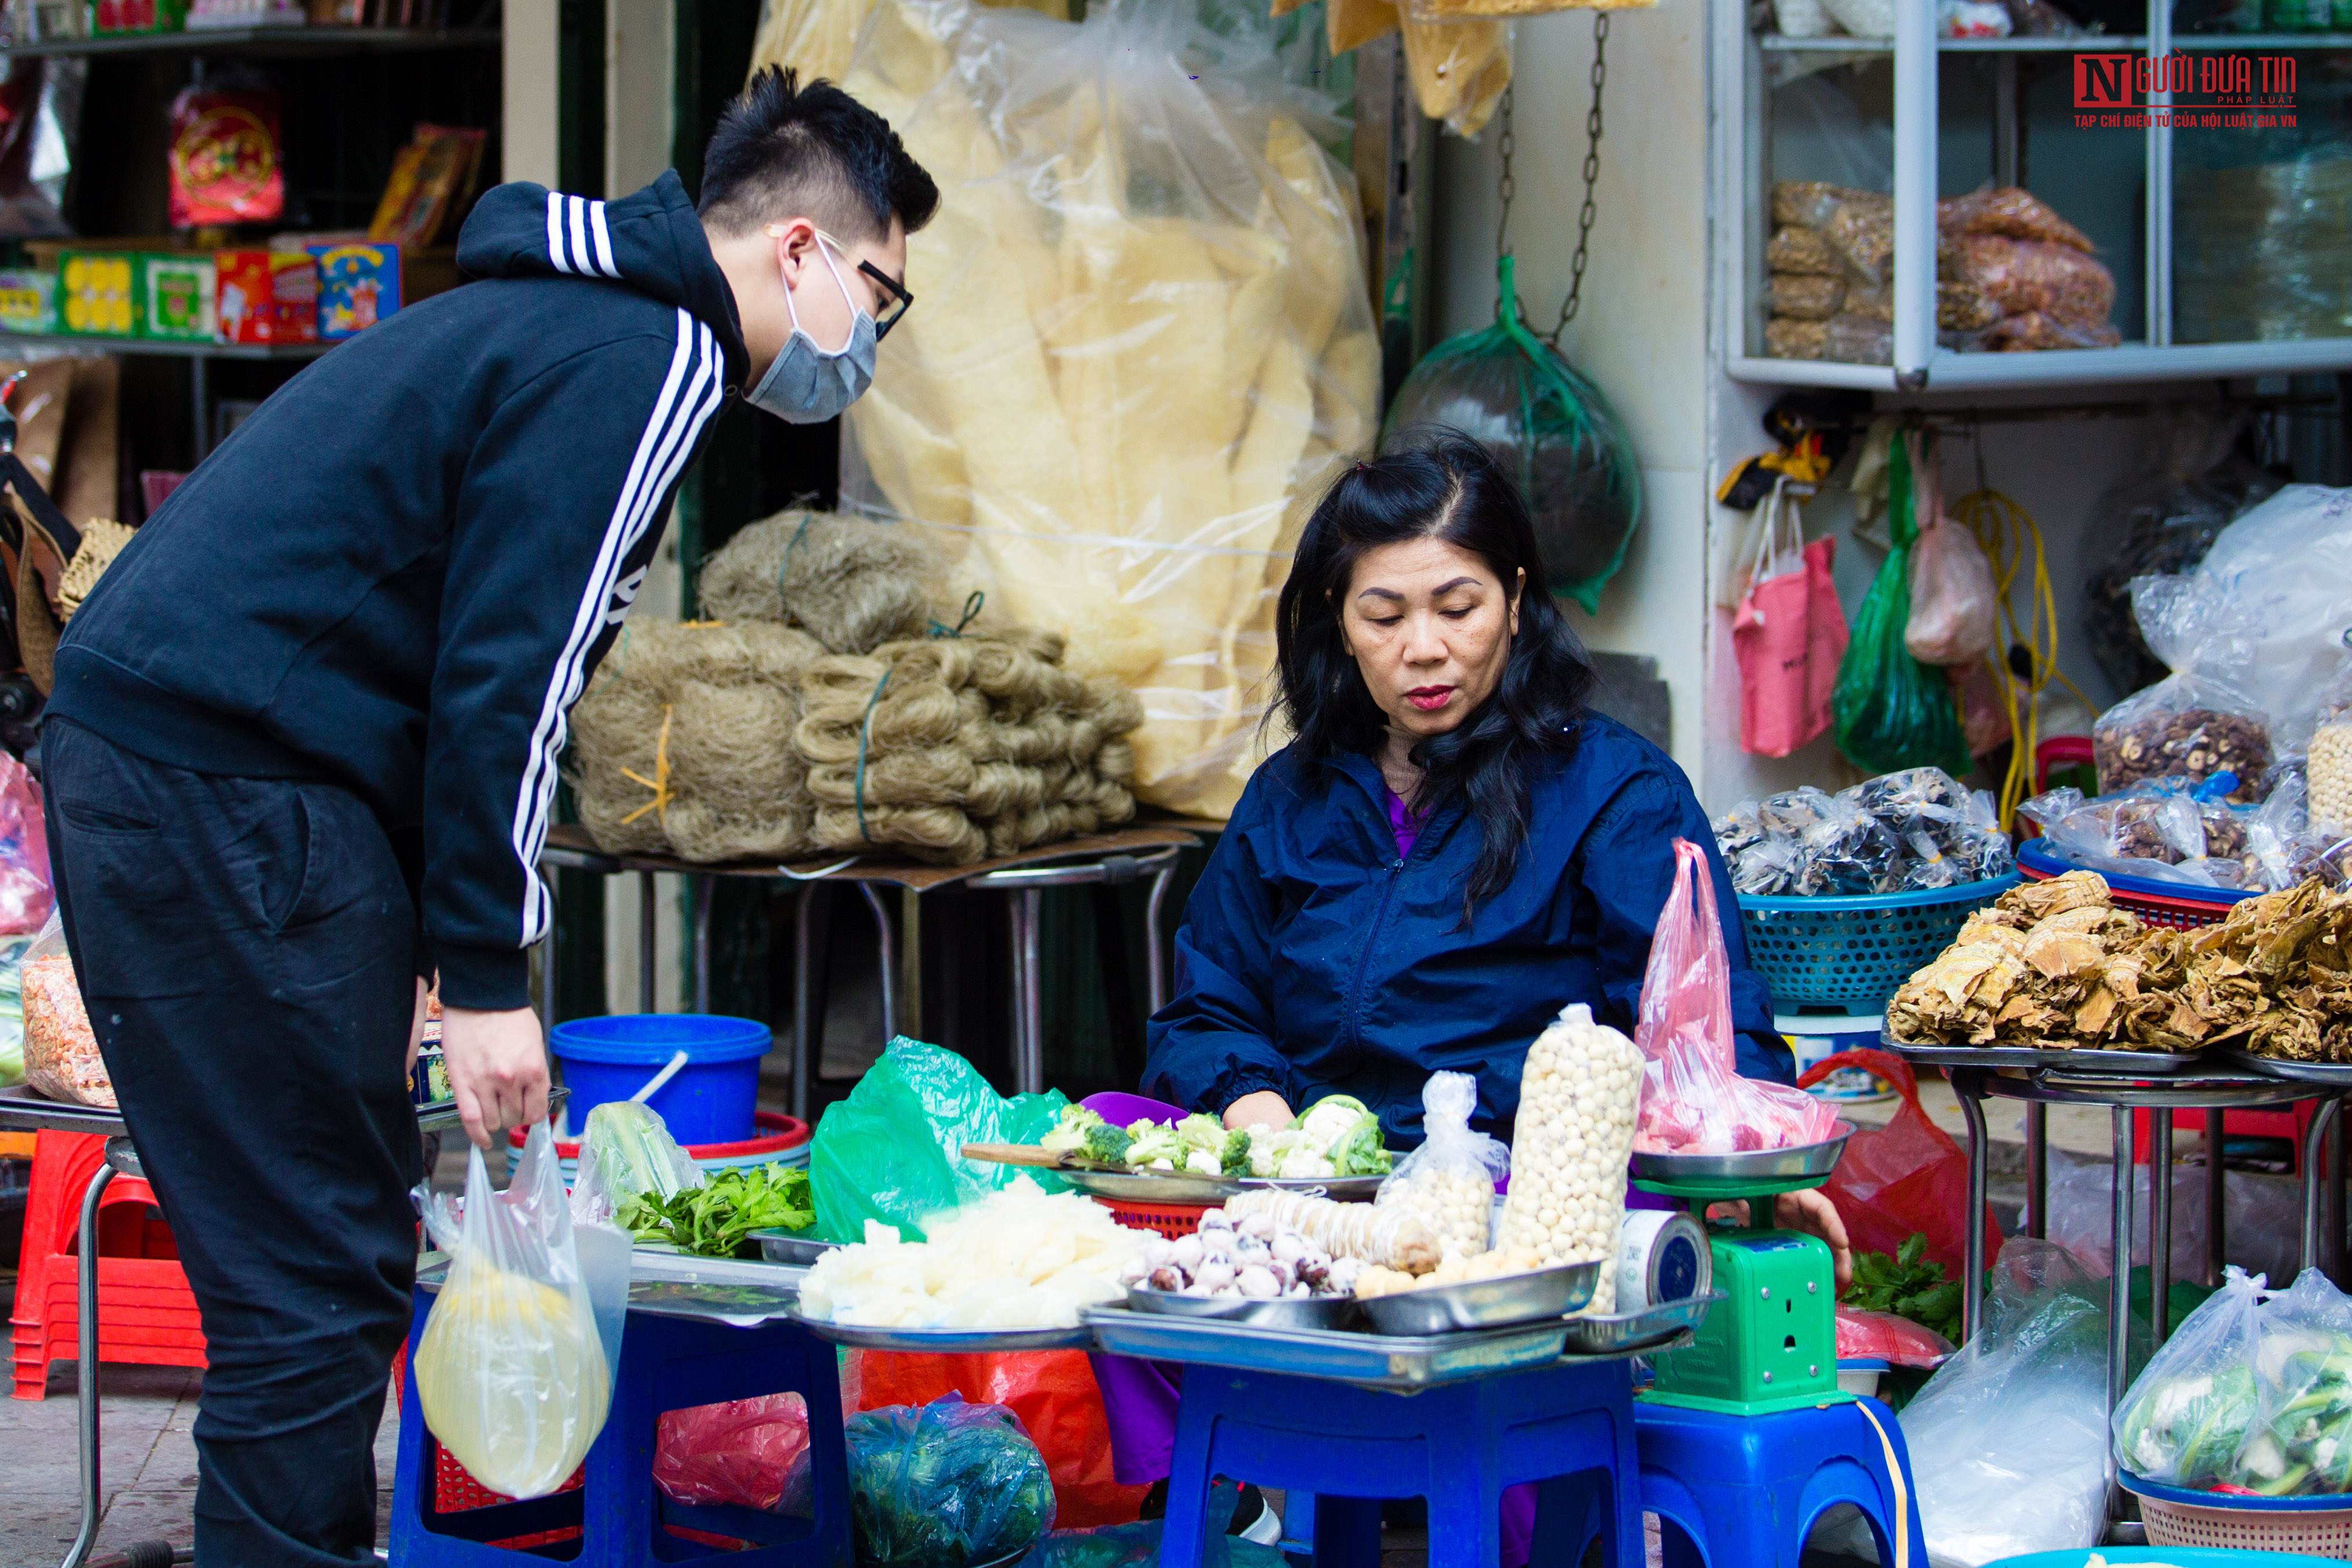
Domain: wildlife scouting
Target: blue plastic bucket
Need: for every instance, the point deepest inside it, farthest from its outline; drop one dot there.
(712, 1099)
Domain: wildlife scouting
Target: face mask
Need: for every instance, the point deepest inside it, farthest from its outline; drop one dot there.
(808, 385)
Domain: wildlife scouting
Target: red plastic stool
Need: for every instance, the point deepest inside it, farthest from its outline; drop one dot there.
(145, 1312)
(2289, 1121)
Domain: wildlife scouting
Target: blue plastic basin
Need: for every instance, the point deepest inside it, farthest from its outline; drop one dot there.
(711, 1100)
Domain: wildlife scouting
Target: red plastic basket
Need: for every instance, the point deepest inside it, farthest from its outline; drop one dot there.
(2138, 894)
(1170, 1220)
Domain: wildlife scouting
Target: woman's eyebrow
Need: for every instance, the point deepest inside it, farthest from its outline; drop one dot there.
(1450, 587)
(1380, 593)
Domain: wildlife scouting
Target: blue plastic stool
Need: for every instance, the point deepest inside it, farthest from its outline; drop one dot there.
(1458, 1444)
(1743, 1491)
(667, 1364)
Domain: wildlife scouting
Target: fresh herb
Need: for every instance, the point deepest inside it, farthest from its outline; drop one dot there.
(717, 1218)
(1909, 1286)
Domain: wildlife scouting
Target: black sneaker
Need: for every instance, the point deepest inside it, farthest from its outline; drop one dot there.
(1254, 1519)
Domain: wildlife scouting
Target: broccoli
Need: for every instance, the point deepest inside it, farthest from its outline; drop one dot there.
(1108, 1143)
(1154, 1142)
(1069, 1135)
(1236, 1161)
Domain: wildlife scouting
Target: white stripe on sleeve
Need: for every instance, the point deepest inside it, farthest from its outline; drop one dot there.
(604, 238)
(580, 263)
(555, 232)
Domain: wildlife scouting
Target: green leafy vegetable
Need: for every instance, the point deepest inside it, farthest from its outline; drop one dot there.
(717, 1218)
(1907, 1285)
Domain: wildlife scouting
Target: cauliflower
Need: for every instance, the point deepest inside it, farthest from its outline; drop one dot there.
(1201, 1162)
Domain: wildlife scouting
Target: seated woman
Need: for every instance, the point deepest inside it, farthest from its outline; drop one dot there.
(1451, 849)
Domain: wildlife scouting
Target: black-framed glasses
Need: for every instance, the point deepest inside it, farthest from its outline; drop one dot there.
(892, 294)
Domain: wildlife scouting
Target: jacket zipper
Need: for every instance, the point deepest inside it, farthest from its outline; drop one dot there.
(1379, 923)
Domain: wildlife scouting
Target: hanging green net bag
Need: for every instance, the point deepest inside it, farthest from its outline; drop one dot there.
(1891, 712)
(1550, 428)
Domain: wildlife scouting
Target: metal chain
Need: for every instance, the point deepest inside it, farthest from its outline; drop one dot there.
(1592, 173)
(1502, 224)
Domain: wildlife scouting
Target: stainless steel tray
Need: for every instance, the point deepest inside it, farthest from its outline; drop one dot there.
(739, 1304)
(1377, 1361)
(2339, 1074)
(1180, 1186)
(945, 1342)
(1604, 1335)
(1281, 1312)
(2123, 1063)
(685, 1268)
(1484, 1303)
(1759, 1164)
(791, 1246)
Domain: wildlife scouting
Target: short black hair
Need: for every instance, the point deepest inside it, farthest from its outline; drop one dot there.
(785, 150)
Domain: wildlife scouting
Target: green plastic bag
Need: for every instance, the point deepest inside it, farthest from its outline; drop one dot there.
(1550, 428)
(1892, 711)
(890, 1151)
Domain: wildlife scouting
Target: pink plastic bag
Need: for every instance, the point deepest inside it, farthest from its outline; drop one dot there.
(1693, 1101)
(26, 898)
(1953, 598)
(1789, 636)
(735, 1453)
(1883, 1336)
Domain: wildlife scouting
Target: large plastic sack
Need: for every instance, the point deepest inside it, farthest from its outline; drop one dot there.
(739, 1453)
(627, 1152)
(943, 1485)
(1693, 1099)
(1907, 1178)
(1145, 345)
(893, 1150)
(26, 895)
(2203, 719)
(1053, 1391)
(1893, 712)
(61, 1055)
(1548, 427)
(515, 1370)
(2254, 1391)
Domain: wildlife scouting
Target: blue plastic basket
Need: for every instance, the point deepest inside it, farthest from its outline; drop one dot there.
(1854, 953)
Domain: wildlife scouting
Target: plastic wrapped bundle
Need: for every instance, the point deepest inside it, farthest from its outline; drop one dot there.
(946, 1485)
(1550, 428)
(2263, 253)
(1449, 1181)
(683, 744)
(1145, 345)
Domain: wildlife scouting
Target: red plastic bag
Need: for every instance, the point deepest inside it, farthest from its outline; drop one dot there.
(26, 897)
(735, 1453)
(1903, 1179)
(1883, 1336)
(1052, 1391)
(1693, 1099)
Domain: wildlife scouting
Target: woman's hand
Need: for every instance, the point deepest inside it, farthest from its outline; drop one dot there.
(1263, 1108)
(1811, 1213)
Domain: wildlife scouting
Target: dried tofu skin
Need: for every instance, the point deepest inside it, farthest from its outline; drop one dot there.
(1144, 348)
(817, 37)
(1459, 70)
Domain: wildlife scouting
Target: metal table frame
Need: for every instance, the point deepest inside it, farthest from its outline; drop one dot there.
(22, 1116)
(2212, 1094)
(1024, 885)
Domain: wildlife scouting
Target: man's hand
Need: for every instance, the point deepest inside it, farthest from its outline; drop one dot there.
(416, 1029)
(1263, 1108)
(497, 1068)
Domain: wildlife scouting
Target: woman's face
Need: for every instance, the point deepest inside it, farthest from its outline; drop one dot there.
(1430, 625)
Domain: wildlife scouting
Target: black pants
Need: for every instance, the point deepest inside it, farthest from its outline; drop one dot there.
(245, 947)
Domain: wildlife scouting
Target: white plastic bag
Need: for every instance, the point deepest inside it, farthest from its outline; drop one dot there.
(1449, 1181)
(1953, 598)
(515, 1371)
(627, 1152)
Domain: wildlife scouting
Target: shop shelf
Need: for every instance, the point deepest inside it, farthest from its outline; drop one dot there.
(1845, 44)
(266, 41)
(163, 347)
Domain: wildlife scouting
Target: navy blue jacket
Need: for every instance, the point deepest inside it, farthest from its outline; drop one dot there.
(1313, 961)
(398, 573)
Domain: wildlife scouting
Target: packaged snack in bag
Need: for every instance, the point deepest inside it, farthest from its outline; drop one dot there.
(61, 1058)
(2198, 721)
(1693, 1099)
(1449, 1181)
(515, 1370)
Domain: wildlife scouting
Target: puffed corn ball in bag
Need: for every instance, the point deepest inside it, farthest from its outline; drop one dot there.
(514, 1376)
(1449, 1181)
(1577, 1095)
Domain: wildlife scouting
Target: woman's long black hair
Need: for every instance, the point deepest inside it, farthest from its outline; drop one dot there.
(1435, 483)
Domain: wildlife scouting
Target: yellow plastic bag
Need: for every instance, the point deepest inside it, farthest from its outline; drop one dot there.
(515, 1371)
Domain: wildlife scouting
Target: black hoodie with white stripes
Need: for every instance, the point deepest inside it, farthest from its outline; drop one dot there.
(399, 572)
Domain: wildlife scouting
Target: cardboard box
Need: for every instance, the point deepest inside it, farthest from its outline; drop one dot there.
(179, 291)
(265, 297)
(100, 294)
(359, 285)
(27, 301)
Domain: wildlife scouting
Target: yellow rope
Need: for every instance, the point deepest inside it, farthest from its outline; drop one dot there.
(2006, 530)
(659, 782)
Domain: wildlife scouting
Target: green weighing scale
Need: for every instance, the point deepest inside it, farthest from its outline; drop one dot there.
(1771, 1344)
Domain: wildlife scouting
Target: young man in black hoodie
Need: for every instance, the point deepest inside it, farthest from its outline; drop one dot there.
(304, 736)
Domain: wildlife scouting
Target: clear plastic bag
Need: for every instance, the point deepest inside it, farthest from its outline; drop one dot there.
(1449, 1181)
(2147, 829)
(61, 1055)
(1145, 346)
(1953, 600)
(515, 1369)
(943, 1485)
(739, 1453)
(1137, 1546)
(1550, 427)
(1693, 1099)
(2198, 721)
(26, 895)
(625, 1152)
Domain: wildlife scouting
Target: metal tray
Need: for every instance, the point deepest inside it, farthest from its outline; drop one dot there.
(1485, 1303)
(2123, 1064)
(2338, 1073)
(945, 1342)
(685, 1268)
(1377, 1361)
(1759, 1165)
(1282, 1312)
(739, 1304)
(23, 1109)
(1180, 1186)
(791, 1246)
(1606, 1336)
